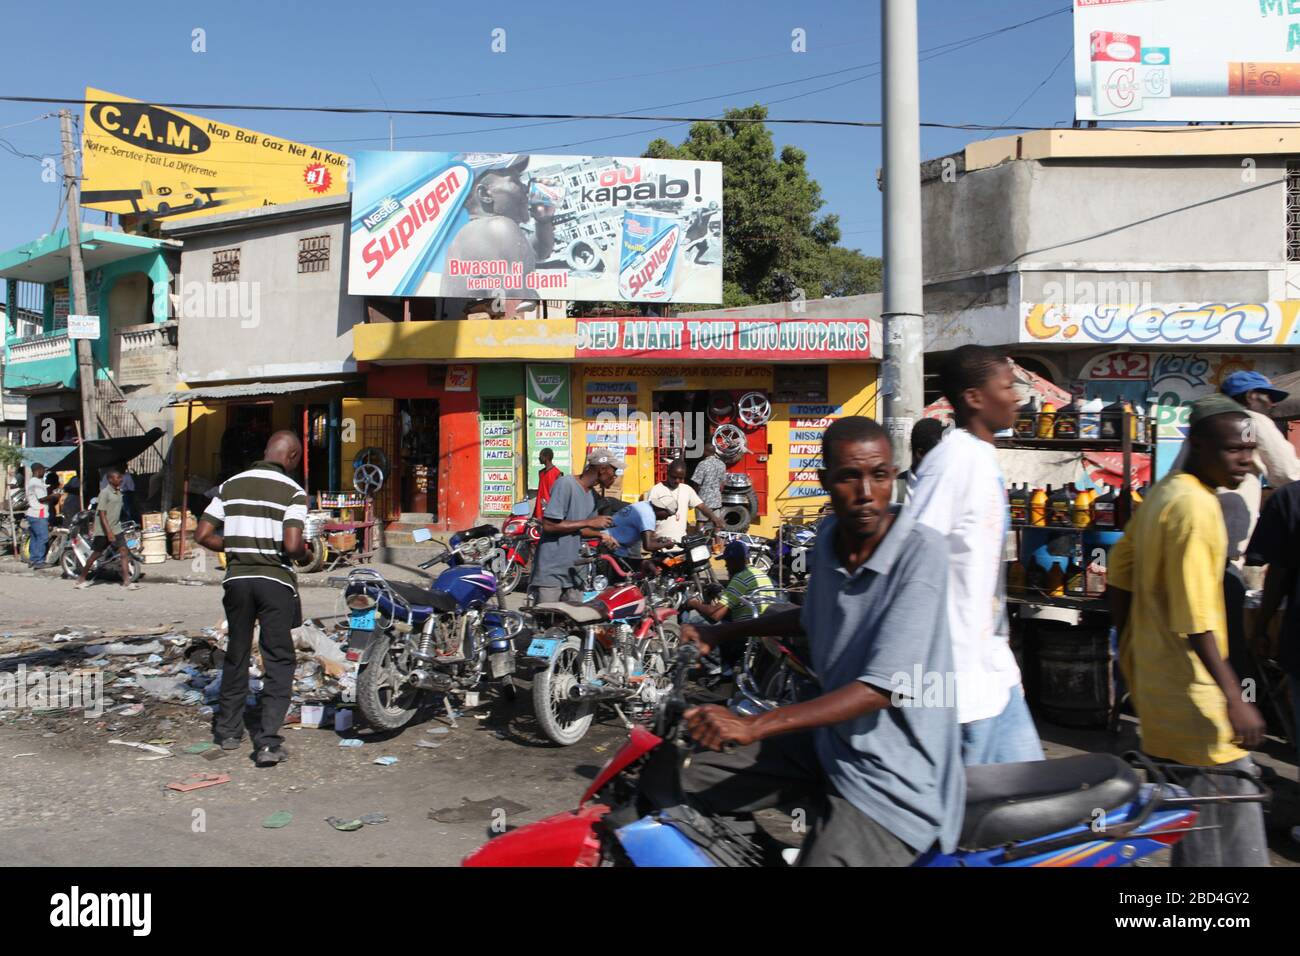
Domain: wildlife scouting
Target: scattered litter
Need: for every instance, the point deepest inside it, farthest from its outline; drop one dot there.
(347, 826)
(439, 730)
(342, 720)
(385, 761)
(471, 699)
(214, 754)
(130, 710)
(153, 659)
(197, 781)
(170, 689)
(600, 748)
(200, 747)
(277, 820)
(157, 742)
(473, 810)
(121, 649)
(149, 748)
(22, 755)
(431, 744)
(312, 715)
(374, 819)
(349, 742)
(482, 716)
(66, 637)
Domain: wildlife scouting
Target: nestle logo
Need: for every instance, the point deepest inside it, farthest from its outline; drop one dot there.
(385, 210)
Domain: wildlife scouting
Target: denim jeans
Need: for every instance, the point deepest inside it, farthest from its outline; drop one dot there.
(40, 532)
(1010, 737)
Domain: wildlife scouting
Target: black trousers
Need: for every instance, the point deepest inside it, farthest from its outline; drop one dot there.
(276, 607)
(783, 771)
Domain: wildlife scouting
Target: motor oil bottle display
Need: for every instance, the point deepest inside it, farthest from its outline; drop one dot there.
(1060, 505)
(1082, 513)
(1038, 507)
(1075, 585)
(1090, 419)
(1103, 509)
(1067, 422)
(1025, 419)
(1046, 421)
(1112, 419)
(1019, 500)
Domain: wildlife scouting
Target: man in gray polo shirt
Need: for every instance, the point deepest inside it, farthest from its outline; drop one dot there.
(876, 757)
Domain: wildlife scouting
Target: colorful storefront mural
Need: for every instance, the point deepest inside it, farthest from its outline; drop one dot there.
(1189, 324)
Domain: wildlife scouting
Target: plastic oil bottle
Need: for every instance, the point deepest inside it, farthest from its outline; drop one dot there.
(1082, 513)
(1046, 421)
(1038, 507)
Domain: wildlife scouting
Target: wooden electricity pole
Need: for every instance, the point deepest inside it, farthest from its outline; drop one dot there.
(85, 364)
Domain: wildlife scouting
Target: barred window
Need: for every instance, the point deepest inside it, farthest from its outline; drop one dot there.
(1293, 212)
(225, 265)
(314, 254)
(497, 409)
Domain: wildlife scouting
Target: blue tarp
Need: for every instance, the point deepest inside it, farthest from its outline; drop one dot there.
(48, 456)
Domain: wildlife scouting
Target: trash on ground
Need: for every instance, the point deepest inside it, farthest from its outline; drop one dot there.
(349, 742)
(200, 747)
(342, 720)
(438, 730)
(312, 715)
(277, 820)
(149, 748)
(374, 819)
(473, 810)
(215, 754)
(197, 781)
(385, 761)
(431, 744)
(122, 649)
(345, 825)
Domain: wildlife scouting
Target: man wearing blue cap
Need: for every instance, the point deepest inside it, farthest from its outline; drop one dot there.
(742, 582)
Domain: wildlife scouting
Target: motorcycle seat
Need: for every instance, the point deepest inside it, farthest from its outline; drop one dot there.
(478, 531)
(578, 613)
(1014, 802)
(413, 603)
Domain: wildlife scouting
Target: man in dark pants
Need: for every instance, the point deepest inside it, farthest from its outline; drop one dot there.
(877, 765)
(261, 512)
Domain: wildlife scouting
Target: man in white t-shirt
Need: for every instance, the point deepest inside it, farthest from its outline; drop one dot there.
(39, 498)
(960, 493)
(674, 527)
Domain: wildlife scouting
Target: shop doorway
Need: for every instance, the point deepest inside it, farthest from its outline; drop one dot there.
(685, 421)
(418, 468)
(248, 426)
(315, 447)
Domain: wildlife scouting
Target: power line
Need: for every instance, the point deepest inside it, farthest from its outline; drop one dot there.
(1047, 79)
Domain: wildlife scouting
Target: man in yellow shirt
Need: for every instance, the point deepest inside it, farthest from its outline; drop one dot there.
(1166, 577)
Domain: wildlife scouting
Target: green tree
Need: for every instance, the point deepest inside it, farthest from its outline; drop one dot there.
(774, 240)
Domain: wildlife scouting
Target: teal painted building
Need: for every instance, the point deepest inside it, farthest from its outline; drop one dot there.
(128, 282)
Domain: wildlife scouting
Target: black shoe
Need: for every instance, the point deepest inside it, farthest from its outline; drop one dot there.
(231, 743)
(269, 757)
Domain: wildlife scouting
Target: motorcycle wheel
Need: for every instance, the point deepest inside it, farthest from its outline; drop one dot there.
(133, 569)
(71, 568)
(54, 550)
(761, 561)
(379, 697)
(562, 720)
(780, 687)
(510, 578)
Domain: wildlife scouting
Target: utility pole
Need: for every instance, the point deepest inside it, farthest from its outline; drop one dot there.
(903, 370)
(85, 365)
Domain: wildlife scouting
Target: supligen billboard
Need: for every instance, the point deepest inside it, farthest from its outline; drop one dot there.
(504, 225)
(1187, 60)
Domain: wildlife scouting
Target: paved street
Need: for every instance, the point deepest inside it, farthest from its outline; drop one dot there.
(73, 798)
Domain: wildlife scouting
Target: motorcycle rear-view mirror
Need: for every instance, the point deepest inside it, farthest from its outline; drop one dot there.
(421, 535)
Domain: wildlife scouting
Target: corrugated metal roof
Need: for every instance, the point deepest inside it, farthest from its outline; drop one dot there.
(156, 403)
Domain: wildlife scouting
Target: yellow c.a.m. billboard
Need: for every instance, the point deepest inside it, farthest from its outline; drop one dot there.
(154, 163)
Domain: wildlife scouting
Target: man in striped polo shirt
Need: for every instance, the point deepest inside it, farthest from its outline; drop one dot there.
(261, 513)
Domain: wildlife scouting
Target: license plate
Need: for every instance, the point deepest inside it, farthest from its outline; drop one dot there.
(700, 554)
(362, 620)
(543, 647)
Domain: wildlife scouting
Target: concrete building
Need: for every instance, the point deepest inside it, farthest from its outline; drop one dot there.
(1144, 264)
(265, 337)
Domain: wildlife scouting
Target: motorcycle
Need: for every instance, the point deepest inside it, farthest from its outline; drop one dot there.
(78, 546)
(613, 650)
(1040, 814)
(772, 671)
(520, 536)
(761, 550)
(414, 642)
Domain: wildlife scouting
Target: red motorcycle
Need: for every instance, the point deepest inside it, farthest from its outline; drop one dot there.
(614, 650)
(520, 536)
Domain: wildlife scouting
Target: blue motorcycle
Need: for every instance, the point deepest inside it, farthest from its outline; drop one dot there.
(415, 643)
(1089, 810)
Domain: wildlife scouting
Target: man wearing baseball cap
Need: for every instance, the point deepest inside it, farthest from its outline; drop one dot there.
(742, 581)
(569, 516)
(1166, 597)
(1274, 459)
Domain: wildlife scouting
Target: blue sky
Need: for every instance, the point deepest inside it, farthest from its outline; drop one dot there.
(559, 57)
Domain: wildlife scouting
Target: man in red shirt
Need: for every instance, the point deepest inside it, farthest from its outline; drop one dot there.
(546, 479)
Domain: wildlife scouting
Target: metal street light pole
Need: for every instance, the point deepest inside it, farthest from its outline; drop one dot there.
(903, 375)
